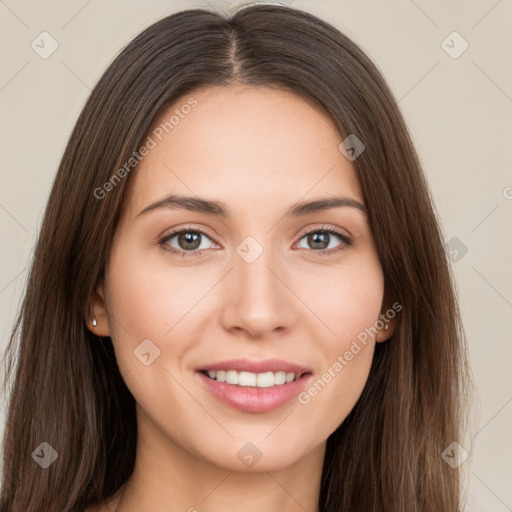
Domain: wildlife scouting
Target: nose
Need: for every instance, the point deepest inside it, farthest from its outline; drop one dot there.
(258, 301)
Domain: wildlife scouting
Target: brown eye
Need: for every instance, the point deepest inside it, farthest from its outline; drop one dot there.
(323, 241)
(187, 242)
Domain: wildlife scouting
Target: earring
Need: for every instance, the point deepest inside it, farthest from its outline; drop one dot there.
(94, 322)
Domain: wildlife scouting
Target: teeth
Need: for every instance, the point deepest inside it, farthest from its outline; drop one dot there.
(247, 378)
(232, 377)
(260, 380)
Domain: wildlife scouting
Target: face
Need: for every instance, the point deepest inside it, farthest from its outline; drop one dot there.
(278, 294)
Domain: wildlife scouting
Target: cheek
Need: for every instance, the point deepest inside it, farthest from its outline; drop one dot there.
(350, 310)
(147, 296)
(147, 299)
(347, 299)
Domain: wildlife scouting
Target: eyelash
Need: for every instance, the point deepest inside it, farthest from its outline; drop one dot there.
(346, 241)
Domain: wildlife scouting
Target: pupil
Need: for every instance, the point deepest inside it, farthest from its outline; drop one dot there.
(185, 239)
(322, 238)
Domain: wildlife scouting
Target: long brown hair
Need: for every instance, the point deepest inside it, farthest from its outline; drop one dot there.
(64, 384)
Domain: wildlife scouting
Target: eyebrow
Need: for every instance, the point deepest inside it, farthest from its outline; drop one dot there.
(220, 209)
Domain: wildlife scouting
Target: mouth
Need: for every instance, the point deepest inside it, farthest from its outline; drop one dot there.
(254, 386)
(251, 379)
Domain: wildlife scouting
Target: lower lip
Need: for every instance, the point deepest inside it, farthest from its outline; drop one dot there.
(254, 399)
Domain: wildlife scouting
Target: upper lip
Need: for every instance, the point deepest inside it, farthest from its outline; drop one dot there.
(246, 365)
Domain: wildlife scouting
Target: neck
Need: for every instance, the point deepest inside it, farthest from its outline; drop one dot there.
(171, 478)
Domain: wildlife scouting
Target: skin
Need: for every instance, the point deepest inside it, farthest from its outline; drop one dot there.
(259, 150)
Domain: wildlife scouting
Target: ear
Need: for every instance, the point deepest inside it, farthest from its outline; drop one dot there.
(389, 317)
(99, 312)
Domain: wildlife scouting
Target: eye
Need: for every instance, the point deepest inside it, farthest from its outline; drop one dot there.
(321, 240)
(189, 241)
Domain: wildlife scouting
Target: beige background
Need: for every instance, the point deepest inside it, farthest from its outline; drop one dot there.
(459, 111)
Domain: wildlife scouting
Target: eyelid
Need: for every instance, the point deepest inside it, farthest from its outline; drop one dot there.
(176, 231)
(304, 231)
(324, 227)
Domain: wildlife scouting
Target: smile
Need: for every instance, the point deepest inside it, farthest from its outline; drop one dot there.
(254, 386)
(246, 379)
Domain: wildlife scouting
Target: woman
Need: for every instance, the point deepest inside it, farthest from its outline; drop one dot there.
(184, 342)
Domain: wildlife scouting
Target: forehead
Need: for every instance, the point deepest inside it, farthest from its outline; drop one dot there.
(244, 145)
